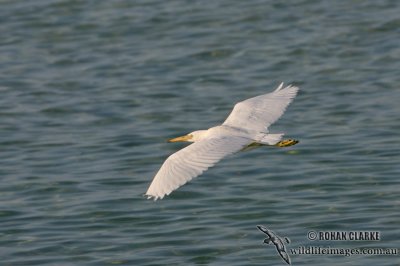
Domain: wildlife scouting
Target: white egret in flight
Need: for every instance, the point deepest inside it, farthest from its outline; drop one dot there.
(246, 127)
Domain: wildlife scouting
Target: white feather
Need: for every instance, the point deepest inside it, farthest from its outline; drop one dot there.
(191, 161)
(260, 112)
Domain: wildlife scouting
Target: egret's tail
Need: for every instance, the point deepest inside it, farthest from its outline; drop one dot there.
(271, 139)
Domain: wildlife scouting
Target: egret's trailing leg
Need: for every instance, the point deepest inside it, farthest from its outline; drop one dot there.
(281, 144)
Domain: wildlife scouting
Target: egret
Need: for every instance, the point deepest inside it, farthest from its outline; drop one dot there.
(245, 128)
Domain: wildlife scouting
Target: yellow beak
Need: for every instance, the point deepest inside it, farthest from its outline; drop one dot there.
(181, 138)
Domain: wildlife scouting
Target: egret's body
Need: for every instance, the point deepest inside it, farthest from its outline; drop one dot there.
(245, 127)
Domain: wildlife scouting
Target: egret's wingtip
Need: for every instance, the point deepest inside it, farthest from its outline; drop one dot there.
(289, 86)
(150, 197)
(279, 87)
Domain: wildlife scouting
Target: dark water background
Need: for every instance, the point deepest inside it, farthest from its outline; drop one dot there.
(90, 91)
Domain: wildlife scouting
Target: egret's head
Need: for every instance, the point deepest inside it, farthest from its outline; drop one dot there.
(191, 137)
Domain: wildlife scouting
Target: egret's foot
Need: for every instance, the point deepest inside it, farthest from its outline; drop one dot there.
(286, 143)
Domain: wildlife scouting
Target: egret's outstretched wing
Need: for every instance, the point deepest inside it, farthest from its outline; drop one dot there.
(191, 161)
(260, 112)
